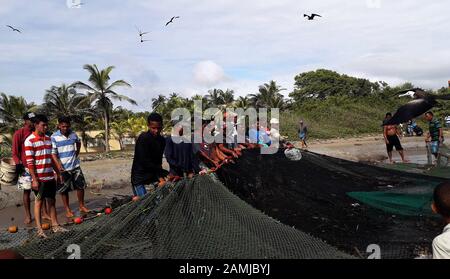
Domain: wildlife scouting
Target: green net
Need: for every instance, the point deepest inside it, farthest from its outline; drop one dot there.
(197, 218)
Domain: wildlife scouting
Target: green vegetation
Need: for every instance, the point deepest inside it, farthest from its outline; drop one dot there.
(331, 104)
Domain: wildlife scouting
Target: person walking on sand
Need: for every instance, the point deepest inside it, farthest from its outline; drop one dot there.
(435, 135)
(391, 137)
(65, 151)
(303, 134)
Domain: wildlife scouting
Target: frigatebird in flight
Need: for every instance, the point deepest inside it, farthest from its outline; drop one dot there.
(422, 103)
(312, 16)
(140, 32)
(171, 20)
(13, 29)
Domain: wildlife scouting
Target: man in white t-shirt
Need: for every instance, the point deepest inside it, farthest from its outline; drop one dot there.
(441, 206)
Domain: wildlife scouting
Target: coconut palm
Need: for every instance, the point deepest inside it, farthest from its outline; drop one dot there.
(243, 102)
(120, 130)
(12, 109)
(227, 97)
(269, 96)
(101, 93)
(159, 102)
(214, 97)
(65, 101)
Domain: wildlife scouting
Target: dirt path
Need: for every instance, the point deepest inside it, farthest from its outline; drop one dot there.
(371, 149)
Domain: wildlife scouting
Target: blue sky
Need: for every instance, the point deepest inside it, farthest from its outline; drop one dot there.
(223, 44)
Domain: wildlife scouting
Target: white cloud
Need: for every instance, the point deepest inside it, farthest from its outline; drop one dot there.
(222, 43)
(208, 73)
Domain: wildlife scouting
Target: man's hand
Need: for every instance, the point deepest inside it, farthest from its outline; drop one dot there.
(35, 184)
(162, 182)
(386, 141)
(59, 179)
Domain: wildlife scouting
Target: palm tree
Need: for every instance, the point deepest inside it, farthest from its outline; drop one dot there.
(65, 101)
(227, 97)
(269, 96)
(215, 97)
(159, 102)
(243, 102)
(101, 92)
(120, 129)
(12, 109)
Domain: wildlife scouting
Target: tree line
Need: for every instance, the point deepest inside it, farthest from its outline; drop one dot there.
(316, 95)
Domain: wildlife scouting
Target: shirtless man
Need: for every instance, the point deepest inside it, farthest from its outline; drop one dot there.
(391, 137)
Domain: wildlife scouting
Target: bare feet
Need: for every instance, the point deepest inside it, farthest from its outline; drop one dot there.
(41, 234)
(58, 229)
(84, 209)
(46, 217)
(69, 214)
(28, 220)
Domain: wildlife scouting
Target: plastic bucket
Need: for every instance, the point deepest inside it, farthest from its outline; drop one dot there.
(8, 176)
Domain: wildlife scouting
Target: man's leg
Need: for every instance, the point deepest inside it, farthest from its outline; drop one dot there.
(52, 210)
(79, 183)
(45, 210)
(37, 214)
(402, 155)
(390, 156)
(66, 203)
(80, 195)
(26, 205)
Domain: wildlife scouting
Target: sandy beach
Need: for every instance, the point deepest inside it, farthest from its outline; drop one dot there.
(110, 177)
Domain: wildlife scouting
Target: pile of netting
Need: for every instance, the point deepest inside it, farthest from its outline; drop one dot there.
(198, 218)
(263, 206)
(349, 205)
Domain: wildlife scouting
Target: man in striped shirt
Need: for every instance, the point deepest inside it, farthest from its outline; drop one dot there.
(65, 150)
(38, 149)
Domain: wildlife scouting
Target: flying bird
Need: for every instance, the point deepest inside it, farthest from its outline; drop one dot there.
(77, 5)
(14, 29)
(171, 20)
(140, 32)
(312, 16)
(422, 103)
(142, 40)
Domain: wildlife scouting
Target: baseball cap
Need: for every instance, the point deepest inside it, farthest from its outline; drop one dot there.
(29, 116)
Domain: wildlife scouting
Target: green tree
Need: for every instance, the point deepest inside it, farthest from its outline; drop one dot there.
(269, 96)
(12, 109)
(65, 101)
(102, 92)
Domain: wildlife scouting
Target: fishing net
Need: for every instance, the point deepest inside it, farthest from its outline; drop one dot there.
(263, 206)
(317, 195)
(197, 218)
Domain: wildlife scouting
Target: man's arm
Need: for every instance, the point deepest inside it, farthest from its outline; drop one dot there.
(16, 149)
(55, 158)
(29, 154)
(385, 134)
(78, 145)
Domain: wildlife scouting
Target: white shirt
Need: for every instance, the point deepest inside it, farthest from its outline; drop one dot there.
(441, 245)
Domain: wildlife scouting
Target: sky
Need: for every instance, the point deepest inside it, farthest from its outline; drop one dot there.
(235, 44)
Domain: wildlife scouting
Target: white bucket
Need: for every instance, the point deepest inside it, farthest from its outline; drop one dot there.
(8, 174)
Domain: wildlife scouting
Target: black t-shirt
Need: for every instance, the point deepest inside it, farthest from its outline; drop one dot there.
(147, 162)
